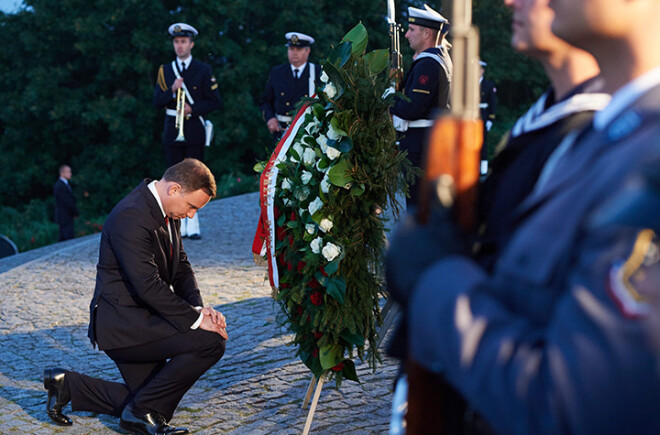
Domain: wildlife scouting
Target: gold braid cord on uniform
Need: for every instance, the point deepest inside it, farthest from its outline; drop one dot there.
(641, 248)
(161, 79)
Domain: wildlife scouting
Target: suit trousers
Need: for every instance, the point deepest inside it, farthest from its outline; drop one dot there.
(156, 375)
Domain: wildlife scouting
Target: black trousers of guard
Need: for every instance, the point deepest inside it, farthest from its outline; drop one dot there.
(177, 151)
(156, 375)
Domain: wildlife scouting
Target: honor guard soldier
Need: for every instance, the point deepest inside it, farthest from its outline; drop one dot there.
(192, 85)
(488, 100)
(288, 83)
(426, 85)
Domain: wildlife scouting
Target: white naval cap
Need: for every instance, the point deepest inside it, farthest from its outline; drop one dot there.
(297, 39)
(426, 17)
(182, 29)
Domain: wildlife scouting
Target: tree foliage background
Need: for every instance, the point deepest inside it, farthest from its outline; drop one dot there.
(77, 82)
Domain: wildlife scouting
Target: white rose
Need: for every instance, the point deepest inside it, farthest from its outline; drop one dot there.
(301, 193)
(330, 251)
(306, 176)
(298, 149)
(316, 245)
(313, 127)
(332, 134)
(326, 225)
(286, 184)
(333, 153)
(309, 156)
(323, 142)
(311, 228)
(325, 184)
(315, 206)
(330, 90)
(324, 77)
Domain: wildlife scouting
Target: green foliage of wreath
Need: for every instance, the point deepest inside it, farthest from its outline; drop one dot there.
(341, 170)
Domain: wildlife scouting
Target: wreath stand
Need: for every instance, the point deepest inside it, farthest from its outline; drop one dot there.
(390, 311)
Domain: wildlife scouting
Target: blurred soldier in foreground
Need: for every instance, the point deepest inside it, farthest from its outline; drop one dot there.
(198, 97)
(552, 341)
(570, 103)
(426, 84)
(288, 83)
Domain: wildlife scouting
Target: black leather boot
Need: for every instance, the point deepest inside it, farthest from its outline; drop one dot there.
(58, 396)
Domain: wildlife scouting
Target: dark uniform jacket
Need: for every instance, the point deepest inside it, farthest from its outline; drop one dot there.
(553, 341)
(65, 203)
(517, 166)
(283, 91)
(202, 86)
(427, 85)
(133, 303)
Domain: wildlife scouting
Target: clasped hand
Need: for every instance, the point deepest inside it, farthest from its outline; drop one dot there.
(214, 321)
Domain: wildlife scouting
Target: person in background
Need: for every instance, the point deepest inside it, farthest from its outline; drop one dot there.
(65, 204)
(201, 98)
(488, 101)
(288, 83)
(426, 85)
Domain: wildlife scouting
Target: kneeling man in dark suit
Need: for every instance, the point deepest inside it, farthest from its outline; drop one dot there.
(147, 313)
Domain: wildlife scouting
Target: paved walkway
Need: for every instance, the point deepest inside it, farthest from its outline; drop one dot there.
(257, 387)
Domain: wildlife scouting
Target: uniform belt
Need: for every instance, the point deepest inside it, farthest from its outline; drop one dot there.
(283, 118)
(170, 112)
(420, 123)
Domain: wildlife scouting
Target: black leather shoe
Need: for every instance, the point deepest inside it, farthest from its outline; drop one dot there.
(194, 236)
(58, 396)
(151, 423)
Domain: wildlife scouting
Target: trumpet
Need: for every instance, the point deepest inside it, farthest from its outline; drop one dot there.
(180, 114)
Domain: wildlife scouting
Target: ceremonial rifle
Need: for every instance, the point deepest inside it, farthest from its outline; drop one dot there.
(451, 174)
(395, 45)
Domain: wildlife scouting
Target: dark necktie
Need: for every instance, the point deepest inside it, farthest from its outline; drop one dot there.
(183, 67)
(295, 73)
(169, 235)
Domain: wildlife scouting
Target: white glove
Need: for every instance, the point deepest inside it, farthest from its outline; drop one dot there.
(489, 125)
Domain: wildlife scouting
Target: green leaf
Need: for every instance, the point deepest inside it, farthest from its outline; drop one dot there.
(344, 145)
(319, 111)
(312, 363)
(338, 174)
(331, 268)
(349, 371)
(354, 339)
(259, 167)
(336, 288)
(330, 355)
(281, 220)
(377, 60)
(357, 190)
(334, 122)
(339, 55)
(292, 224)
(358, 37)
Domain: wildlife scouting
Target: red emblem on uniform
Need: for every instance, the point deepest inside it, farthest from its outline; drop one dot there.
(423, 80)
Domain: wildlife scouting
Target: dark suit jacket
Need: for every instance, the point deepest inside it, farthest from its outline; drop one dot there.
(133, 303)
(65, 203)
(203, 87)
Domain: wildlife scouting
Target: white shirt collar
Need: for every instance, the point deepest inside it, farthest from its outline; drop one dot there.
(186, 61)
(154, 192)
(625, 96)
(300, 68)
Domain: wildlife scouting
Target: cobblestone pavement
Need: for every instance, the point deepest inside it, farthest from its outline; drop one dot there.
(257, 387)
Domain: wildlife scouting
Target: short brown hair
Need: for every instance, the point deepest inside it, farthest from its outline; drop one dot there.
(192, 175)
